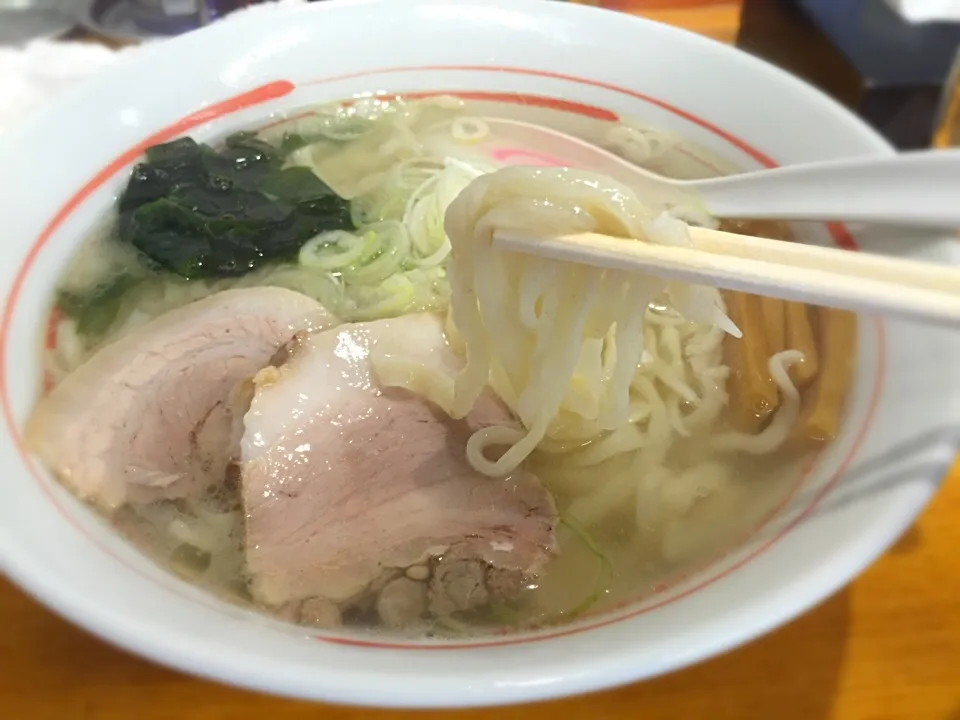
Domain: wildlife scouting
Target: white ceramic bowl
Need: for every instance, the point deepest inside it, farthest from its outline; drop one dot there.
(60, 173)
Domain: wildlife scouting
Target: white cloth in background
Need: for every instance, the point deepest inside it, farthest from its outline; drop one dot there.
(927, 10)
(39, 71)
(31, 75)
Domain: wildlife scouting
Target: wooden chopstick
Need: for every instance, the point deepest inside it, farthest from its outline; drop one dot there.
(863, 283)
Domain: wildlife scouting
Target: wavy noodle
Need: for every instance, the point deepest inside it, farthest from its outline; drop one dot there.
(574, 350)
(605, 371)
(776, 433)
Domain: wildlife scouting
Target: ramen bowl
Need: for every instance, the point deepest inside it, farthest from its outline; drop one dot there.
(63, 171)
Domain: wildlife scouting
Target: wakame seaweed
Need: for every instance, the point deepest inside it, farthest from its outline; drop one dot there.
(200, 212)
(94, 312)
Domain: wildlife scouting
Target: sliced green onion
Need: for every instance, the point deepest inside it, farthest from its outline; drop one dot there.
(469, 130)
(605, 571)
(395, 295)
(389, 200)
(393, 247)
(336, 249)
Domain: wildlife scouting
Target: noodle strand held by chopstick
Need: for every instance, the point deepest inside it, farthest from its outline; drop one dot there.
(800, 336)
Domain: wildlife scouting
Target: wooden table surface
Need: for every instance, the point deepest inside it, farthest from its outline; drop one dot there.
(886, 647)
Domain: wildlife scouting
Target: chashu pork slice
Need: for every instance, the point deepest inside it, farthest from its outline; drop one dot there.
(149, 416)
(343, 478)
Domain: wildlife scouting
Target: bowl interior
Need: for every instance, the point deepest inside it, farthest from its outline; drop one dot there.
(565, 63)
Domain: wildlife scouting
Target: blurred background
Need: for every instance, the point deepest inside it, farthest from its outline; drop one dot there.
(892, 61)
